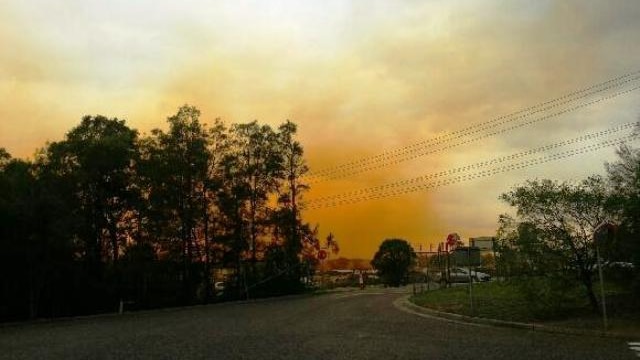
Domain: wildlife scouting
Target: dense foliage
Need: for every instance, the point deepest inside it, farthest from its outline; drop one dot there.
(107, 216)
(624, 178)
(550, 245)
(393, 261)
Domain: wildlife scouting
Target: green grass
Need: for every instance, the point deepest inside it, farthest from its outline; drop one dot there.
(507, 301)
(541, 300)
(491, 300)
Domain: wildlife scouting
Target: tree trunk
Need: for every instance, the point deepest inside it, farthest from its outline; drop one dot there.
(33, 298)
(113, 236)
(207, 267)
(254, 252)
(588, 284)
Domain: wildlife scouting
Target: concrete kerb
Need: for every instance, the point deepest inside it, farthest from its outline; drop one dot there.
(403, 303)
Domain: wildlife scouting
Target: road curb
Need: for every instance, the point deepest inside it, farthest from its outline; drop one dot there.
(405, 304)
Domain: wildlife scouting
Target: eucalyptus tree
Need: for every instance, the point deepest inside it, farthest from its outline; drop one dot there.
(624, 178)
(97, 160)
(294, 168)
(17, 238)
(35, 238)
(5, 157)
(174, 174)
(213, 221)
(230, 200)
(253, 168)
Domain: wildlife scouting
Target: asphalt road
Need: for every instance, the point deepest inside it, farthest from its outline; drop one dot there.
(358, 325)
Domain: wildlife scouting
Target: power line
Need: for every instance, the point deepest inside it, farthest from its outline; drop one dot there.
(611, 84)
(414, 185)
(418, 149)
(428, 151)
(481, 164)
(470, 176)
(497, 132)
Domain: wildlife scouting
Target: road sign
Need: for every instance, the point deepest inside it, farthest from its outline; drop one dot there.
(604, 233)
(322, 255)
(485, 243)
(467, 256)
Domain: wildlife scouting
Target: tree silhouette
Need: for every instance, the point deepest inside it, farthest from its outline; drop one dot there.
(105, 218)
(175, 168)
(394, 259)
(560, 220)
(624, 178)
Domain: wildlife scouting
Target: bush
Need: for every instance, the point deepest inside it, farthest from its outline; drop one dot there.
(619, 273)
(550, 297)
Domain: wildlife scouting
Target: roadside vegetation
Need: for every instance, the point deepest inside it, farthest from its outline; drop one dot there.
(393, 261)
(547, 253)
(510, 302)
(191, 214)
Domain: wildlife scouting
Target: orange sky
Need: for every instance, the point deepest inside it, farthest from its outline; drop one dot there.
(358, 77)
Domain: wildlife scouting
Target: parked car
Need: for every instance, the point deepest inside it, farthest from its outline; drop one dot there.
(460, 274)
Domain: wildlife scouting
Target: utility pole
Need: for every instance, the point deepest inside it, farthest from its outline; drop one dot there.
(602, 232)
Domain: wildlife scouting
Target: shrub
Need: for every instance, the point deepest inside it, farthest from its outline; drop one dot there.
(549, 297)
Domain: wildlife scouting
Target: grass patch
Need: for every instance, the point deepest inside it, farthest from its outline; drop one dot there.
(491, 300)
(509, 301)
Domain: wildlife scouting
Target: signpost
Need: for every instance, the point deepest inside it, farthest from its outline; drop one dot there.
(322, 255)
(452, 240)
(601, 234)
(467, 256)
(485, 243)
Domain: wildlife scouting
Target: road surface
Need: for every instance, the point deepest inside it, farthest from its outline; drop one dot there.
(357, 325)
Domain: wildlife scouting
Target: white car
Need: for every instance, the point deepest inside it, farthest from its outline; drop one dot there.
(460, 274)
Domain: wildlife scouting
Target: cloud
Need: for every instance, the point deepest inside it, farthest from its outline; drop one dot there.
(358, 79)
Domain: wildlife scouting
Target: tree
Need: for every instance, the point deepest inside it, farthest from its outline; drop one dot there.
(557, 222)
(217, 147)
(174, 172)
(332, 244)
(34, 238)
(393, 261)
(624, 178)
(97, 159)
(5, 157)
(92, 173)
(21, 249)
(258, 167)
(104, 213)
(293, 168)
(523, 250)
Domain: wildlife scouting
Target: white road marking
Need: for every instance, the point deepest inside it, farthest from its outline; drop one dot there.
(635, 347)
